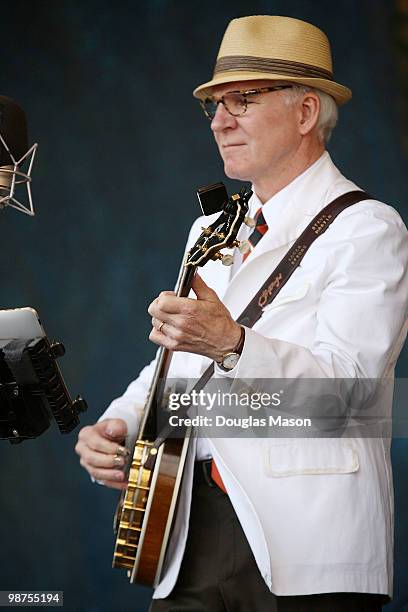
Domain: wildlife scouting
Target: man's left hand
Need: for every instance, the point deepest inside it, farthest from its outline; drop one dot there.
(203, 326)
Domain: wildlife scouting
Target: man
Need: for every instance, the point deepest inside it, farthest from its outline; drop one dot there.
(304, 524)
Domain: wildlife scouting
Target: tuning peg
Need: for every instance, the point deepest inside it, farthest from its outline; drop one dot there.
(226, 260)
(249, 222)
(243, 246)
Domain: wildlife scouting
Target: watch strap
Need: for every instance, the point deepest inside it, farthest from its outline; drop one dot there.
(236, 351)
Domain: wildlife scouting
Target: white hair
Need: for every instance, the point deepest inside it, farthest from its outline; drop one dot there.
(328, 113)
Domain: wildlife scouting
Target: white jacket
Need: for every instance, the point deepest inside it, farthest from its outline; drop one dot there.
(318, 513)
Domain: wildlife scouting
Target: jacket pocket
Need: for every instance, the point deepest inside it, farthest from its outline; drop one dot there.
(311, 457)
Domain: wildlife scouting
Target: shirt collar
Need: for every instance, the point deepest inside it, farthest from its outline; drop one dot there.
(277, 202)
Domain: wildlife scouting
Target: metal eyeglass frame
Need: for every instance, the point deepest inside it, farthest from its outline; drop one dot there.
(244, 94)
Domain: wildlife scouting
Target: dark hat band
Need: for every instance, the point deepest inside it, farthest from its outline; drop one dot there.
(232, 63)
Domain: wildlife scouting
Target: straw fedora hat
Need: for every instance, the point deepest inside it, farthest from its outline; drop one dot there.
(275, 48)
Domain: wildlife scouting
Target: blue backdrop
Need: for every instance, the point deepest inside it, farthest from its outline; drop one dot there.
(107, 90)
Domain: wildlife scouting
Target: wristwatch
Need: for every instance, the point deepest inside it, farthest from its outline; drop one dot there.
(230, 360)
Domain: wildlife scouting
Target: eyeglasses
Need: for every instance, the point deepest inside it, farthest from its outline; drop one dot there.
(235, 102)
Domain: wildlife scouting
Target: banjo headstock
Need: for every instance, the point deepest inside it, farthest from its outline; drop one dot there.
(222, 234)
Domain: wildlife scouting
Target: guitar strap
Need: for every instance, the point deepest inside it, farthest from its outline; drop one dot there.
(286, 267)
(280, 276)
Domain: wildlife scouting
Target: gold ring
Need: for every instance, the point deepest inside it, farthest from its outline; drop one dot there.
(122, 451)
(117, 460)
(160, 326)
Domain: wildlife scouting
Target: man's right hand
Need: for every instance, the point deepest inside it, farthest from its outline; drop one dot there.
(102, 453)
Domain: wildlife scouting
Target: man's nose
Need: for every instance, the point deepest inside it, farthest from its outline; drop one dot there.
(222, 119)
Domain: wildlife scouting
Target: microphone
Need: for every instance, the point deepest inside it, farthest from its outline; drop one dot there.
(14, 154)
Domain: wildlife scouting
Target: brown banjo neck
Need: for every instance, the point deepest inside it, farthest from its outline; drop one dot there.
(220, 234)
(148, 425)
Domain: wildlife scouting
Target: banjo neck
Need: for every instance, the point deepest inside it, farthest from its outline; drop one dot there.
(148, 425)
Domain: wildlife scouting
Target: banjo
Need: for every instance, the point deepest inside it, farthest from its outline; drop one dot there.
(146, 509)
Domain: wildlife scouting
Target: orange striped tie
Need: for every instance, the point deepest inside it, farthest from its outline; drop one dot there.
(260, 229)
(215, 475)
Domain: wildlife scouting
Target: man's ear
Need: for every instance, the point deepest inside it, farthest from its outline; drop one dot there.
(309, 112)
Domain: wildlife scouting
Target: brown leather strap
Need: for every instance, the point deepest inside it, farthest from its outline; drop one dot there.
(280, 276)
(286, 267)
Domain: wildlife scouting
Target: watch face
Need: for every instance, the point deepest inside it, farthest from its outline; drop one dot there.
(230, 361)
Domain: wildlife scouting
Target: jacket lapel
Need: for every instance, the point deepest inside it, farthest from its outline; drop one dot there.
(311, 193)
